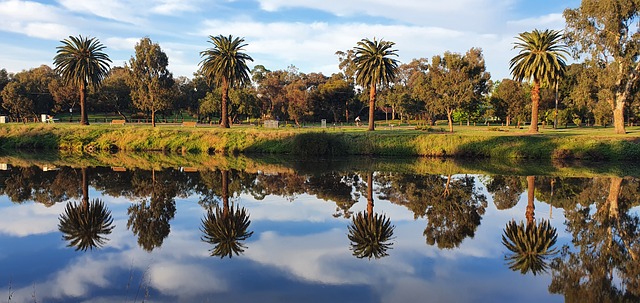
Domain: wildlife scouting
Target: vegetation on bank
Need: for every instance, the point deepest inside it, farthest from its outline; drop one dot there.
(470, 142)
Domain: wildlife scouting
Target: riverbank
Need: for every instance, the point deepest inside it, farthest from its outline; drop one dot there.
(471, 142)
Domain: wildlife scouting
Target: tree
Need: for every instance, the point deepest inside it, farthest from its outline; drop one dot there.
(115, 93)
(15, 100)
(606, 31)
(225, 64)
(85, 224)
(509, 101)
(226, 227)
(149, 79)
(374, 66)
(541, 58)
(456, 82)
(530, 244)
(370, 233)
(81, 62)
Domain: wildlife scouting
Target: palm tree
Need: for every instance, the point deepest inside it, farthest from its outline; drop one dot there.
(225, 64)
(532, 244)
(85, 224)
(374, 66)
(370, 233)
(541, 59)
(81, 62)
(225, 228)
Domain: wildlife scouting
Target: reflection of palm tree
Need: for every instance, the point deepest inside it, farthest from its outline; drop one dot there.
(370, 233)
(85, 224)
(225, 228)
(532, 244)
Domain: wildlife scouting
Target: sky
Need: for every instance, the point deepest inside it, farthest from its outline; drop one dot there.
(278, 33)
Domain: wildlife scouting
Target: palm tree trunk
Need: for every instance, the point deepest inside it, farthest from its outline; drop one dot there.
(535, 101)
(530, 212)
(225, 192)
(372, 106)
(225, 97)
(85, 188)
(84, 120)
(370, 195)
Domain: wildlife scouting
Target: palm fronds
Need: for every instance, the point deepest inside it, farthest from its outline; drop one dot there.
(370, 235)
(530, 245)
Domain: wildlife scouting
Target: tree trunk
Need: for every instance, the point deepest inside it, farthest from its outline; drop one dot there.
(530, 212)
(84, 120)
(225, 97)
(153, 118)
(370, 195)
(225, 192)
(612, 199)
(450, 119)
(372, 107)
(508, 121)
(618, 114)
(535, 101)
(85, 188)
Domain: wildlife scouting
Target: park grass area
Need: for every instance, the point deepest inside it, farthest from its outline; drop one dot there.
(387, 140)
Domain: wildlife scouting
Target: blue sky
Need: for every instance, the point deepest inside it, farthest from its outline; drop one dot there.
(279, 33)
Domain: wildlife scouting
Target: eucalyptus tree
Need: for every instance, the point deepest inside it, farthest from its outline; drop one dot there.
(374, 66)
(607, 32)
(541, 58)
(82, 62)
(455, 82)
(226, 64)
(150, 81)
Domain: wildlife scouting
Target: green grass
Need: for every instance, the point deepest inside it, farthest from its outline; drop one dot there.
(466, 141)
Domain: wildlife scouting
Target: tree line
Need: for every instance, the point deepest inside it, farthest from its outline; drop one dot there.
(372, 83)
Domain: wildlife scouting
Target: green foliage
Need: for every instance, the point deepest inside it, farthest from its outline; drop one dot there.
(226, 232)
(314, 144)
(150, 81)
(85, 224)
(530, 246)
(370, 235)
(225, 64)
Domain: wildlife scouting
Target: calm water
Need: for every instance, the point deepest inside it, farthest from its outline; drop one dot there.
(283, 234)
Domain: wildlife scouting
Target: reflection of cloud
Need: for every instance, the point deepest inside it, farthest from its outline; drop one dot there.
(29, 219)
(323, 257)
(184, 280)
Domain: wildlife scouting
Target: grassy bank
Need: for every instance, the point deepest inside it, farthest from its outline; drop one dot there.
(474, 142)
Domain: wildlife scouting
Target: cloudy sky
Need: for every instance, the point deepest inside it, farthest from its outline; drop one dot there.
(279, 33)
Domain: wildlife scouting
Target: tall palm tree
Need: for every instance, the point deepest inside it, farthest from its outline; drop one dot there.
(532, 244)
(370, 233)
(81, 62)
(374, 66)
(225, 65)
(85, 224)
(542, 59)
(225, 228)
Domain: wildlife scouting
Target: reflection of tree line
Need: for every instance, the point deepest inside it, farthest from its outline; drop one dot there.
(606, 239)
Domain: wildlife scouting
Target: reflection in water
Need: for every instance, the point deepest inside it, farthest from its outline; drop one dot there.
(602, 265)
(84, 224)
(226, 228)
(598, 261)
(149, 219)
(531, 244)
(370, 233)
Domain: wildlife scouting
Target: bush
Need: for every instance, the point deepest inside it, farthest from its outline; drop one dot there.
(317, 144)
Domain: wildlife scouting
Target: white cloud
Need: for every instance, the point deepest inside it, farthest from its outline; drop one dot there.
(34, 19)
